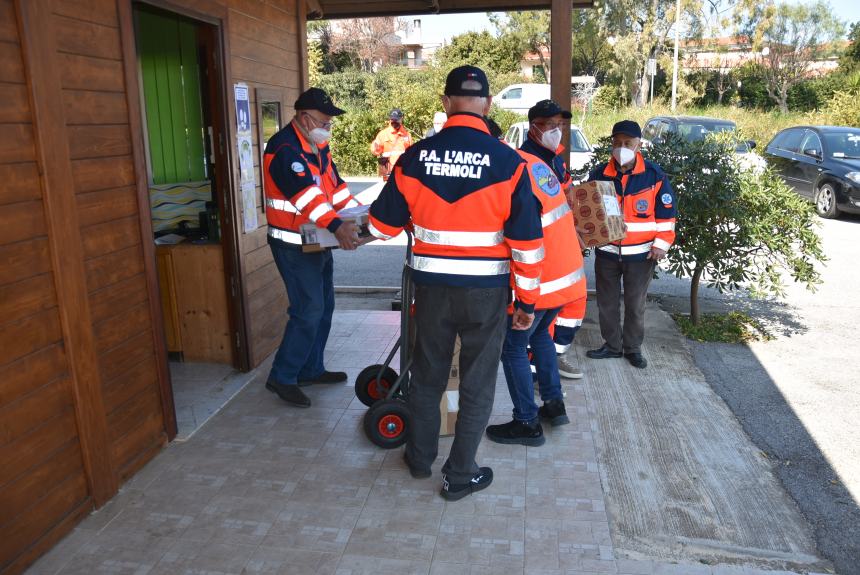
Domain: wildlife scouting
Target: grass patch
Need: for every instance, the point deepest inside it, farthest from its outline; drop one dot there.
(732, 327)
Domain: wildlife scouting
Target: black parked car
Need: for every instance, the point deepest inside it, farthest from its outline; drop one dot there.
(695, 128)
(822, 164)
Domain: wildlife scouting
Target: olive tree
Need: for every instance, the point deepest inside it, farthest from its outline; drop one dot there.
(735, 228)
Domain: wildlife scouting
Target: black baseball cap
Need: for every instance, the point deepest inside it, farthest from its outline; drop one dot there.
(395, 114)
(467, 81)
(628, 128)
(548, 109)
(316, 99)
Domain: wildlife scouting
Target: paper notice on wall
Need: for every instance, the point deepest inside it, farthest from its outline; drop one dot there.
(247, 179)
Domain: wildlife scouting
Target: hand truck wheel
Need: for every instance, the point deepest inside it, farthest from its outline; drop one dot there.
(387, 422)
(369, 389)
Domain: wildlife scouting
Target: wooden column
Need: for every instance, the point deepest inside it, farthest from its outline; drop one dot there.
(64, 236)
(561, 67)
(302, 34)
(135, 124)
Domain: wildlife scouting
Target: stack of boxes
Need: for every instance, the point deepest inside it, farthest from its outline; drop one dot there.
(598, 216)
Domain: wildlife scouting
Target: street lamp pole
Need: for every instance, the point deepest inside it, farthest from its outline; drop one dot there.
(675, 62)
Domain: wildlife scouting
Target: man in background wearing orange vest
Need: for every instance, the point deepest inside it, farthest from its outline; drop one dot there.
(562, 282)
(475, 221)
(302, 185)
(390, 142)
(648, 204)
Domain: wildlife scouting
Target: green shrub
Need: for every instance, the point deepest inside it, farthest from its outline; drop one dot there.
(607, 99)
(844, 109)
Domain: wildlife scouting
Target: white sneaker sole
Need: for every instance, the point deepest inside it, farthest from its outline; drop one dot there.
(569, 375)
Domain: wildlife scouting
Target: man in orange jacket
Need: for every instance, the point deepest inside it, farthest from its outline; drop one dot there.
(562, 282)
(475, 222)
(303, 186)
(391, 142)
(648, 204)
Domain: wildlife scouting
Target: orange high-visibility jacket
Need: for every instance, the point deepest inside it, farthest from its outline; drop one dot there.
(563, 274)
(302, 185)
(649, 207)
(391, 143)
(473, 214)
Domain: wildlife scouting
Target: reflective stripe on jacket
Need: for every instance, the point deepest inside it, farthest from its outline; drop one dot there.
(470, 203)
(302, 185)
(563, 273)
(649, 207)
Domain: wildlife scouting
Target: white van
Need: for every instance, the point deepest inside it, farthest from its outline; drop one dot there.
(520, 97)
(581, 152)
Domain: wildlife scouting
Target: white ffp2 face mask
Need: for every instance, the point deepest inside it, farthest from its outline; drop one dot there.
(551, 139)
(320, 136)
(623, 155)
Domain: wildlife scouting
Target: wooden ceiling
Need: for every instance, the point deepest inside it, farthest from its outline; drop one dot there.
(334, 9)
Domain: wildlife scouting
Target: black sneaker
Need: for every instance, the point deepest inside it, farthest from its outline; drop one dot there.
(554, 411)
(325, 377)
(289, 393)
(517, 432)
(602, 352)
(455, 491)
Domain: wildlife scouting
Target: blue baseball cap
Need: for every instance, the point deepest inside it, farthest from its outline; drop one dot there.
(628, 128)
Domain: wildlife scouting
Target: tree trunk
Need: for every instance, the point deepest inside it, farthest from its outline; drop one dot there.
(720, 97)
(694, 294)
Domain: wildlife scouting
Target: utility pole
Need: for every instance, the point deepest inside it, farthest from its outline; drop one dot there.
(675, 65)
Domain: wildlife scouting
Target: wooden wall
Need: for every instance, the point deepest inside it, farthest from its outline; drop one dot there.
(84, 396)
(264, 43)
(93, 96)
(42, 478)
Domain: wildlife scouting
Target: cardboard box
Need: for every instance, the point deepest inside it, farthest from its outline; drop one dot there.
(449, 408)
(315, 239)
(598, 216)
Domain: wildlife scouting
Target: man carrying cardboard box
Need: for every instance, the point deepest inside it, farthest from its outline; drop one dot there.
(649, 207)
(302, 186)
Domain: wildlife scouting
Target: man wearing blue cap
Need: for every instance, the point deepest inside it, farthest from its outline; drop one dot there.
(648, 204)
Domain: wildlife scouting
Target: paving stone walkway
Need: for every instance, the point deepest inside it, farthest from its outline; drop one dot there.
(264, 488)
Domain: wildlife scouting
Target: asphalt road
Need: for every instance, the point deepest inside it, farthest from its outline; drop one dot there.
(797, 396)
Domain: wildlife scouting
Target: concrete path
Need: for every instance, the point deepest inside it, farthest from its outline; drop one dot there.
(682, 480)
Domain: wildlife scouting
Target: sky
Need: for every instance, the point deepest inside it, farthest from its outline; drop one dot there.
(446, 26)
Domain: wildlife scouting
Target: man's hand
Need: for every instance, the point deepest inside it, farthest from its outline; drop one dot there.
(656, 254)
(347, 236)
(522, 320)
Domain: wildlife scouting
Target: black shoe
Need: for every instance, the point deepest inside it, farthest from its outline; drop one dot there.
(455, 491)
(517, 432)
(636, 360)
(554, 411)
(325, 377)
(289, 393)
(602, 352)
(415, 471)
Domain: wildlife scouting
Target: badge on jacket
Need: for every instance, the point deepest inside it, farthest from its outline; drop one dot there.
(642, 206)
(666, 199)
(545, 179)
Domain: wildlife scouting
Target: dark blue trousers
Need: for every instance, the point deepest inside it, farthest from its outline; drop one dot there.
(310, 287)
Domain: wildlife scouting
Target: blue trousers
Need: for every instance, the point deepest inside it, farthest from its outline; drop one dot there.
(518, 374)
(310, 287)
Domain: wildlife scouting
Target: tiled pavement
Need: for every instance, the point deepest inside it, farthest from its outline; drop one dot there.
(264, 488)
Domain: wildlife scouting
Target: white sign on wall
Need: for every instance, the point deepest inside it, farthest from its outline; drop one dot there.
(247, 181)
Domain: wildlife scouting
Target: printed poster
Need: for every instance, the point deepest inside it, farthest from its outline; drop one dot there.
(247, 179)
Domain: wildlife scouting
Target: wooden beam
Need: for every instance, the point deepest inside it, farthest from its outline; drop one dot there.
(64, 237)
(302, 37)
(312, 8)
(135, 124)
(338, 9)
(561, 51)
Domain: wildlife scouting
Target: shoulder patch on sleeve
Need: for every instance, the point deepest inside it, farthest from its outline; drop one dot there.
(297, 167)
(666, 198)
